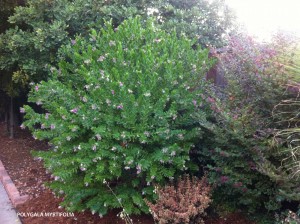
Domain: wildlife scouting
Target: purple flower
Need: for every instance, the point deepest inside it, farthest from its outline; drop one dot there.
(195, 102)
(210, 99)
(224, 154)
(75, 110)
(47, 115)
(36, 88)
(138, 169)
(73, 42)
(22, 110)
(22, 126)
(237, 184)
(218, 169)
(98, 137)
(244, 189)
(52, 126)
(101, 58)
(252, 165)
(224, 179)
(42, 126)
(120, 107)
(112, 43)
(121, 84)
(113, 92)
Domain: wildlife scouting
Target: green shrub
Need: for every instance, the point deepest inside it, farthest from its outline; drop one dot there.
(120, 110)
(237, 150)
(231, 155)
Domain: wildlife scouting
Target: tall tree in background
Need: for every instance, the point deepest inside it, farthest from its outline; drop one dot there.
(41, 27)
(6, 95)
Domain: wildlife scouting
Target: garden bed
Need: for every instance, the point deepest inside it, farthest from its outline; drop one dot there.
(29, 176)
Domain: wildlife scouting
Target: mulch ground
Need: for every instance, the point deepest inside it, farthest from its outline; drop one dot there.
(29, 176)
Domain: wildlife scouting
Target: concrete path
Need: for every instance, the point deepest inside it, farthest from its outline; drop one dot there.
(8, 214)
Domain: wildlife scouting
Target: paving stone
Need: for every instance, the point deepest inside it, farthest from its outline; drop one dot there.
(8, 214)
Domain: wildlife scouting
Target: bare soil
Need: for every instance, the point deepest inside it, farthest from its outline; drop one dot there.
(29, 176)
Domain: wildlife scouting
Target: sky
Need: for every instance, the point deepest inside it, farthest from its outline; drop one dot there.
(261, 18)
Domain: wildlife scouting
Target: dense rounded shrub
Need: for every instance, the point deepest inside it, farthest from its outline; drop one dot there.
(121, 114)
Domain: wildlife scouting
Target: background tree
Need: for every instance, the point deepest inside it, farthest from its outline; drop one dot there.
(6, 101)
(41, 27)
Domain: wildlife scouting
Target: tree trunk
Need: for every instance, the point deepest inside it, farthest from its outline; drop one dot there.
(7, 121)
(11, 119)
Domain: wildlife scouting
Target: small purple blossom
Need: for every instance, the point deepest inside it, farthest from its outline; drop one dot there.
(121, 84)
(75, 110)
(101, 58)
(36, 88)
(138, 169)
(224, 179)
(210, 100)
(22, 110)
(73, 42)
(94, 147)
(224, 154)
(42, 126)
(252, 165)
(22, 126)
(113, 92)
(195, 102)
(112, 43)
(52, 126)
(120, 107)
(47, 116)
(52, 69)
(180, 136)
(237, 184)
(87, 61)
(218, 169)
